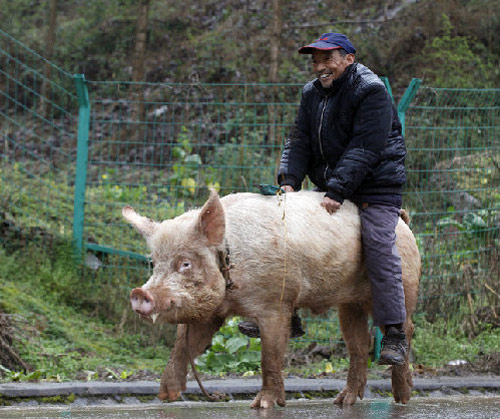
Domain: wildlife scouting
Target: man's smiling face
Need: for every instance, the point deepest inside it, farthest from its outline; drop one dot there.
(330, 65)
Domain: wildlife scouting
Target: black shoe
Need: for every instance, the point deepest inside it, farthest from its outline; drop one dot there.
(252, 330)
(249, 329)
(394, 347)
(296, 326)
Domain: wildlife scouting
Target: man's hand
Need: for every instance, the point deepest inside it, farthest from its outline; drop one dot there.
(288, 188)
(330, 205)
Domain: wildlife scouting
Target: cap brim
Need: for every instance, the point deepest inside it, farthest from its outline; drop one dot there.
(321, 46)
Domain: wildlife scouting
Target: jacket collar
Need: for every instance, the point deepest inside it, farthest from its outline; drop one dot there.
(336, 83)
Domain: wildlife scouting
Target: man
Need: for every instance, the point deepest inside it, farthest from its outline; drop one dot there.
(347, 138)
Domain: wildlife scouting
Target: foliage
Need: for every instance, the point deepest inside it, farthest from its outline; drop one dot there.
(187, 170)
(231, 351)
(458, 61)
(79, 312)
(228, 41)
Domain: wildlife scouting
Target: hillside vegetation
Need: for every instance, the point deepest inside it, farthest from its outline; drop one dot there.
(448, 43)
(65, 320)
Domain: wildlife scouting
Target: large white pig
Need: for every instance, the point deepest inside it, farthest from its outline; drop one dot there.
(261, 257)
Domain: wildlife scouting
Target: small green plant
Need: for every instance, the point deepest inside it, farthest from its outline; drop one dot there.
(186, 166)
(231, 352)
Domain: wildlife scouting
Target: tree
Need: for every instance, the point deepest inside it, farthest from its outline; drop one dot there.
(275, 42)
(138, 66)
(141, 29)
(50, 40)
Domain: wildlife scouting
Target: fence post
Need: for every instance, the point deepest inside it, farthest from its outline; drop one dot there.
(81, 161)
(407, 98)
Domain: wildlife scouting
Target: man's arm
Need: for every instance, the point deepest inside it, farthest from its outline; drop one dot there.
(372, 124)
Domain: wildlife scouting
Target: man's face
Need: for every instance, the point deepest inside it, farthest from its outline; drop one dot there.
(330, 65)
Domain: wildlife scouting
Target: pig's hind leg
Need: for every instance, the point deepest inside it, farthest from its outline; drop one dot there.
(274, 332)
(191, 341)
(354, 326)
(402, 382)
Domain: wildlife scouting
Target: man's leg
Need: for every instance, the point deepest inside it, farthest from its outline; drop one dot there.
(252, 330)
(383, 263)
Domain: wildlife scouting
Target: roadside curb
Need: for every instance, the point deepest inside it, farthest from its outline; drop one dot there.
(250, 386)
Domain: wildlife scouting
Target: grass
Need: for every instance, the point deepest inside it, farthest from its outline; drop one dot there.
(55, 332)
(59, 334)
(72, 322)
(442, 341)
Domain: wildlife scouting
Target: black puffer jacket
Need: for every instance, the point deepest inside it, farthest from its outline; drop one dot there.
(347, 139)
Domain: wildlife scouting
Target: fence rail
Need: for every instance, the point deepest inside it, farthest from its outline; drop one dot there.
(160, 146)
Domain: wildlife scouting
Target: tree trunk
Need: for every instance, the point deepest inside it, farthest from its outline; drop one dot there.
(275, 42)
(138, 71)
(50, 40)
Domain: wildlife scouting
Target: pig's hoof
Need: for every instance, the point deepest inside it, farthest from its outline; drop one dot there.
(266, 400)
(346, 398)
(402, 395)
(401, 384)
(170, 395)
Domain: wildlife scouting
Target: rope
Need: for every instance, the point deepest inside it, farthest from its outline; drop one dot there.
(282, 200)
(216, 396)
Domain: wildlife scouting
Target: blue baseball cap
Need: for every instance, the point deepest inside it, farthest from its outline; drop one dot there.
(329, 41)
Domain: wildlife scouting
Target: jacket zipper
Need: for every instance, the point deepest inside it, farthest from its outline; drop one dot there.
(319, 136)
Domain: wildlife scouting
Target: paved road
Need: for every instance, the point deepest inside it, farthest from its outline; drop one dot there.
(95, 392)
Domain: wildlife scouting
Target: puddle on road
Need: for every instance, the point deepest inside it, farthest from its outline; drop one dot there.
(421, 408)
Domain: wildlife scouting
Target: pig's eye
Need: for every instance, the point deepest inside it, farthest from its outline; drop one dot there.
(185, 266)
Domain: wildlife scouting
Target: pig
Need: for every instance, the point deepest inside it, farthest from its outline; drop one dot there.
(261, 257)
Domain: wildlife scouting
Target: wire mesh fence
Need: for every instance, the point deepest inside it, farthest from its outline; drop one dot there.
(162, 153)
(159, 147)
(453, 138)
(38, 104)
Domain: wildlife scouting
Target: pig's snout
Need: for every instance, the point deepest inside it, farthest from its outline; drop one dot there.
(142, 301)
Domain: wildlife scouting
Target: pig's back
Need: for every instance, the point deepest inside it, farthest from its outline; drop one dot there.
(271, 235)
(298, 217)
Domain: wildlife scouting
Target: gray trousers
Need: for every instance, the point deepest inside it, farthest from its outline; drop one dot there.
(383, 263)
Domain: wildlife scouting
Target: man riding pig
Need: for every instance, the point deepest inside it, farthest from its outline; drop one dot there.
(347, 137)
(327, 252)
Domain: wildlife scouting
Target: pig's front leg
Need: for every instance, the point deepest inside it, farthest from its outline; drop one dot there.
(173, 379)
(274, 332)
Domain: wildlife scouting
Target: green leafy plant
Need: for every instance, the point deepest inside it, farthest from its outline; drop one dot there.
(186, 166)
(231, 352)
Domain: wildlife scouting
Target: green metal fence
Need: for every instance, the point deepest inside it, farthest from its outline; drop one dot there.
(75, 151)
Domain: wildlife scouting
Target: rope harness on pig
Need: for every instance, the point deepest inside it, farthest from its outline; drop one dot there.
(282, 200)
(224, 267)
(210, 397)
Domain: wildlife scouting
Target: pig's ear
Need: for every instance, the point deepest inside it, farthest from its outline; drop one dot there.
(143, 225)
(211, 222)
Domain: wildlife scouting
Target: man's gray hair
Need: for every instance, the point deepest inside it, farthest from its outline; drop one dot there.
(342, 52)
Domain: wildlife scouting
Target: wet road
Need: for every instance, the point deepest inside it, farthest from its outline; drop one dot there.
(422, 408)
